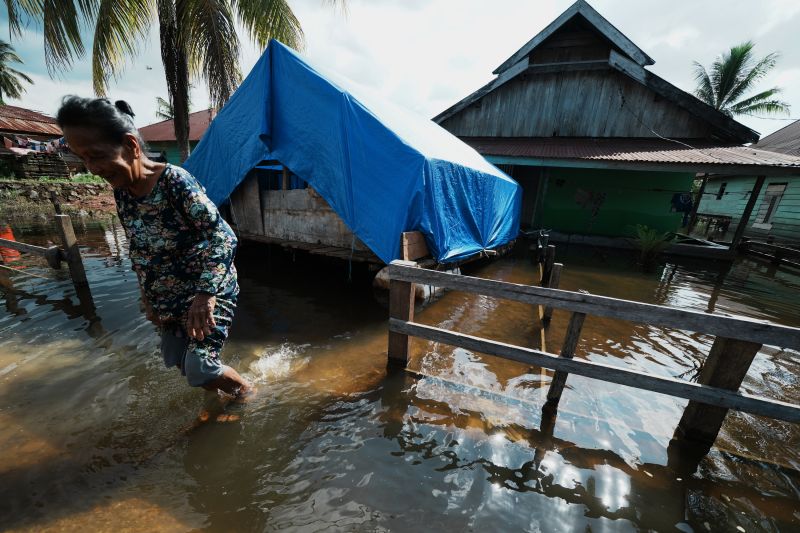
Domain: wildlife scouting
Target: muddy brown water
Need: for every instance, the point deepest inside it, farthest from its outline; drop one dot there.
(93, 429)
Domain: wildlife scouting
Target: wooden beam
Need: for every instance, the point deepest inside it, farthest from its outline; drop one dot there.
(748, 210)
(73, 253)
(696, 205)
(571, 339)
(413, 246)
(555, 280)
(734, 327)
(729, 169)
(549, 261)
(401, 307)
(725, 367)
(22, 247)
(613, 374)
(285, 179)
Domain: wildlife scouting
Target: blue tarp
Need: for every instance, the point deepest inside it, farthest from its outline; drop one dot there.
(382, 169)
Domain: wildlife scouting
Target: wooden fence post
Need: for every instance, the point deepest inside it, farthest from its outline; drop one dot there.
(401, 306)
(555, 279)
(725, 367)
(571, 339)
(73, 254)
(549, 260)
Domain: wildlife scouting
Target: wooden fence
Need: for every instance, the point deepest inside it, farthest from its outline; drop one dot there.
(775, 253)
(55, 255)
(738, 340)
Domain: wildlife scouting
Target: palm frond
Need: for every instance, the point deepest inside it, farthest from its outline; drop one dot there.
(750, 77)
(17, 10)
(704, 90)
(208, 33)
(727, 70)
(18, 74)
(120, 26)
(270, 19)
(62, 35)
(762, 102)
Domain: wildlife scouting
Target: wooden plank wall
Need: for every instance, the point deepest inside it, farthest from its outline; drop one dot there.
(785, 222)
(575, 104)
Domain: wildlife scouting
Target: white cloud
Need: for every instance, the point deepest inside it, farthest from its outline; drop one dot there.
(428, 54)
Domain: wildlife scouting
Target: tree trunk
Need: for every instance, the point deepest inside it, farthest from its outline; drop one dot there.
(176, 70)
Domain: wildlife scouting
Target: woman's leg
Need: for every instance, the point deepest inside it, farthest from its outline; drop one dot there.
(230, 382)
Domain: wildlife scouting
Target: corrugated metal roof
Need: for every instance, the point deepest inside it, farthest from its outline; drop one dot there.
(20, 120)
(165, 131)
(786, 140)
(630, 150)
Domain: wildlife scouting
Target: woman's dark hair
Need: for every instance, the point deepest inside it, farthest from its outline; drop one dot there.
(111, 121)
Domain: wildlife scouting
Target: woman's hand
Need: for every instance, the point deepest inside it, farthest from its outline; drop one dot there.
(200, 318)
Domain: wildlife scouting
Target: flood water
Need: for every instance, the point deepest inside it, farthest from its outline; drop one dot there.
(96, 435)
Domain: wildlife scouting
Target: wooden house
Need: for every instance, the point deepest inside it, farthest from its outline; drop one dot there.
(776, 211)
(160, 136)
(597, 141)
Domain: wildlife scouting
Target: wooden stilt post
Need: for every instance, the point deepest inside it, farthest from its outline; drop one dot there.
(285, 179)
(571, 339)
(555, 279)
(725, 367)
(401, 306)
(56, 203)
(549, 261)
(696, 205)
(748, 210)
(74, 261)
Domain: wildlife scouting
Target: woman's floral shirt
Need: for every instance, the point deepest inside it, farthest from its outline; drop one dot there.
(178, 242)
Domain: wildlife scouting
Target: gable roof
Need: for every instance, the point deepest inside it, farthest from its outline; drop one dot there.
(785, 141)
(164, 131)
(20, 120)
(624, 57)
(603, 26)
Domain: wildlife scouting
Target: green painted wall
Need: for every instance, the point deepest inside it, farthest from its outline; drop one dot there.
(170, 149)
(785, 224)
(611, 202)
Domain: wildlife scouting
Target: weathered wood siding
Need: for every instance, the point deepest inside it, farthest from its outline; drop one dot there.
(785, 223)
(595, 103)
(303, 215)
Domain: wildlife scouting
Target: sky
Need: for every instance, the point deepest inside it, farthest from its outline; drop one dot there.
(426, 55)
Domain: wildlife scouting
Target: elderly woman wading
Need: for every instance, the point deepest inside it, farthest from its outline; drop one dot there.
(181, 249)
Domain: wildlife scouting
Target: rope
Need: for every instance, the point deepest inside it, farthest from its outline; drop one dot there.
(18, 271)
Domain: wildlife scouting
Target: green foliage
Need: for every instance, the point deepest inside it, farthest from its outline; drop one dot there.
(10, 84)
(77, 178)
(198, 40)
(733, 74)
(651, 244)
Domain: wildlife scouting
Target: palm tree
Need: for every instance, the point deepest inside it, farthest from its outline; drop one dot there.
(198, 40)
(733, 74)
(10, 84)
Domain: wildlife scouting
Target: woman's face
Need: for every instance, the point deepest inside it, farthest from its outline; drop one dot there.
(115, 164)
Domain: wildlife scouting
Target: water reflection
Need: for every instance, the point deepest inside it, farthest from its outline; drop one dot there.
(96, 434)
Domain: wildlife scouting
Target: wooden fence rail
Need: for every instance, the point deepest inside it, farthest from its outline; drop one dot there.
(55, 255)
(738, 340)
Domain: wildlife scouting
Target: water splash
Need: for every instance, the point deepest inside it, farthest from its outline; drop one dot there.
(276, 362)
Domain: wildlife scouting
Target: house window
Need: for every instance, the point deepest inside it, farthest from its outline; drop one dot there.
(721, 190)
(769, 205)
